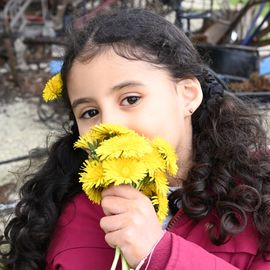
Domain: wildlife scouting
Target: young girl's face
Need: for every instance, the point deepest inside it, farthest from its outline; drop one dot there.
(135, 94)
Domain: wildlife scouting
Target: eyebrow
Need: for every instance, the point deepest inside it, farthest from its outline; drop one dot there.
(117, 87)
(127, 84)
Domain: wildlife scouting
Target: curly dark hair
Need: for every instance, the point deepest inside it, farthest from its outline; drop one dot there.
(231, 165)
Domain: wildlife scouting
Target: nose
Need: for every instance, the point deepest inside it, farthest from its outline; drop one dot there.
(114, 117)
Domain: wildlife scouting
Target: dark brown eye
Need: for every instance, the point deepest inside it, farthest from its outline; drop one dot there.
(130, 100)
(90, 113)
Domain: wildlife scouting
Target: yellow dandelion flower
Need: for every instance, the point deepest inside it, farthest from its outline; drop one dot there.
(123, 171)
(160, 202)
(93, 174)
(154, 161)
(93, 194)
(168, 153)
(53, 88)
(161, 182)
(105, 131)
(154, 200)
(163, 208)
(124, 146)
(148, 189)
(99, 133)
(86, 141)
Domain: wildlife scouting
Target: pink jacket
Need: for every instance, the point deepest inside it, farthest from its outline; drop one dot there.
(78, 243)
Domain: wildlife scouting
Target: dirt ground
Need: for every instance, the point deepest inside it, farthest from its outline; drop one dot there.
(27, 125)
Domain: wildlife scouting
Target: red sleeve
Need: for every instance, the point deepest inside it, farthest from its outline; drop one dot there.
(258, 264)
(174, 252)
(82, 259)
(78, 241)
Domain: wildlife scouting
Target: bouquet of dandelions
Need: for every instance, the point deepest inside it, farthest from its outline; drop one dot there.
(118, 155)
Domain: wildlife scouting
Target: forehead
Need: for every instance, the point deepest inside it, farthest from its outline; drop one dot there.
(106, 59)
(109, 68)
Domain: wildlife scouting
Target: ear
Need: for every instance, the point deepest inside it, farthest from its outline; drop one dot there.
(191, 92)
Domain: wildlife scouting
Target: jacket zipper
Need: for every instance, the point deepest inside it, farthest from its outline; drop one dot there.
(175, 219)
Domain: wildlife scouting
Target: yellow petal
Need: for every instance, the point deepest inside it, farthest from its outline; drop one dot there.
(168, 154)
(163, 208)
(93, 194)
(124, 146)
(154, 162)
(147, 189)
(87, 142)
(161, 182)
(106, 131)
(53, 88)
(123, 171)
(93, 174)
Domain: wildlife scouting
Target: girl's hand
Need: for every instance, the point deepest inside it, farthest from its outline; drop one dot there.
(130, 223)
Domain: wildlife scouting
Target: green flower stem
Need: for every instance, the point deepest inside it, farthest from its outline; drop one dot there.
(117, 254)
(116, 258)
(125, 265)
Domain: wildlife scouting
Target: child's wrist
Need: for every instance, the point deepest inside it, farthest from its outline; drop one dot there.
(149, 255)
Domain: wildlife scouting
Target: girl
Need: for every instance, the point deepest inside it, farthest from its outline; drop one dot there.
(134, 68)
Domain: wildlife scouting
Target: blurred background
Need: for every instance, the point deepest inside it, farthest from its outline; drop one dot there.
(232, 36)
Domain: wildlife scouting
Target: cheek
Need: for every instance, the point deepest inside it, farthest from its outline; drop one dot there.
(166, 123)
(82, 128)
(173, 131)
(173, 126)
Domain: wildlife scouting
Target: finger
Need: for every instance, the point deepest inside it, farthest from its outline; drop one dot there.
(124, 191)
(113, 205)
(117, 238)
(112, 223)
